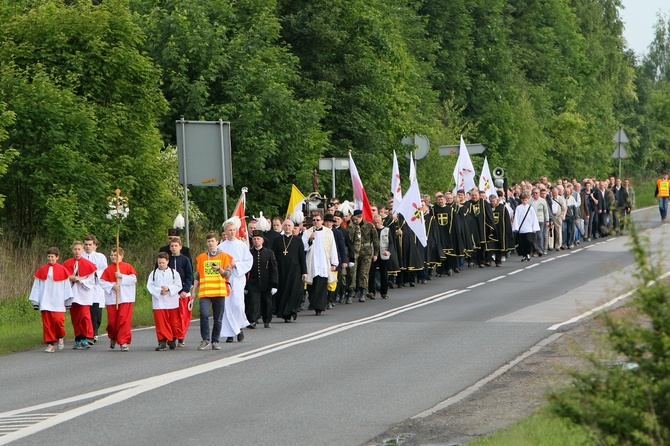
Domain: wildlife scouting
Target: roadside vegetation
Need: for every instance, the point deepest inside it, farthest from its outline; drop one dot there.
(621, 395)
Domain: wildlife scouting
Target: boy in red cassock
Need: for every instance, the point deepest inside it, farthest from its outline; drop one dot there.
(120, 280)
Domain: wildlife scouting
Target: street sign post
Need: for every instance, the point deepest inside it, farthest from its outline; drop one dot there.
(620, 152)
(333, 164)
(473, 149)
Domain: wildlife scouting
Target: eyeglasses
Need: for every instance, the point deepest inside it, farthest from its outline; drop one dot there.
(316, 219)
(333, 203)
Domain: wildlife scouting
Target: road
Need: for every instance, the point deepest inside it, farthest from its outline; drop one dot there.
(341, 378)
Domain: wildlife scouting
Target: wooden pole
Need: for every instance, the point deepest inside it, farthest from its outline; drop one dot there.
(117, 267)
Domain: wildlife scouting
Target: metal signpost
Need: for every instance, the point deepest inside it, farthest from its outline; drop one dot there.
(620, 152)
(204, 154)
(333, 164)
(473, 149)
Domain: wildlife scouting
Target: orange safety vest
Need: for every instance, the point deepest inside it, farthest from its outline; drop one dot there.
(663, 187)
(212, 284)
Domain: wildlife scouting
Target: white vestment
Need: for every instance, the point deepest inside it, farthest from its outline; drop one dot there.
(159, 278)
(101, 262)
(50, 295)
(234, 317)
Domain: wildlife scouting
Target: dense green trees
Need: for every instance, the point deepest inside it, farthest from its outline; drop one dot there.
(90, 92)
(86, 104)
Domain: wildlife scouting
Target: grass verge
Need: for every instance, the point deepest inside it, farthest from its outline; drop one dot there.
(21, 326)
(540, 429)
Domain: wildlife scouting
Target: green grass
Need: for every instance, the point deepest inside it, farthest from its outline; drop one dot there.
(644, 194)
(21, 326)
(540, 429)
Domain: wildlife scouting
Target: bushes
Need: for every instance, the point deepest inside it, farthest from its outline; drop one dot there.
(622, 398)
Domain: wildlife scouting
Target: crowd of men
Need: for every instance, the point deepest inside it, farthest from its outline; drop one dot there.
(317, 260)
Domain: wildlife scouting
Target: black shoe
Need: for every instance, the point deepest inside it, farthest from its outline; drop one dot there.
(329, 306)
(423, 281)
(240, 336)
(252, 326)
(390, 285)
(385, 296)
(229, 340)
(266, 325)
(294, 316)
(450, 272)
(318, 312)
(411, 284)
(348, 301)
(287, 320)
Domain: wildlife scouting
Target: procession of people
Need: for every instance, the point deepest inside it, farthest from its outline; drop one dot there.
(319, 259)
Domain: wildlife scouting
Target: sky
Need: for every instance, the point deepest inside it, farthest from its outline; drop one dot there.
(639, 17)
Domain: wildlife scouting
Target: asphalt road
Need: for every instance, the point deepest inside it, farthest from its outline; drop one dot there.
(341, 378)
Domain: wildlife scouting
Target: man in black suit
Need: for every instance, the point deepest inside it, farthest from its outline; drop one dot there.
(261, 282)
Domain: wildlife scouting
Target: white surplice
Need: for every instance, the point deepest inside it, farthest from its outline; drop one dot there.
(234, 317)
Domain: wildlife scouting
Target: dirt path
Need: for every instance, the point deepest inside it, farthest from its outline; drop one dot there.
(504, 400)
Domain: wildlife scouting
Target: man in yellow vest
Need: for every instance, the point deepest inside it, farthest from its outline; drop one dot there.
(213, 270)
(662, 194)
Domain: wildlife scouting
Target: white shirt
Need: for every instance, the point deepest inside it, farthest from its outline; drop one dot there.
(529, 220)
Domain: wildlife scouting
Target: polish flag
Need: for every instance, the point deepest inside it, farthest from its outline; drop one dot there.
(239, 212)
(360, 198)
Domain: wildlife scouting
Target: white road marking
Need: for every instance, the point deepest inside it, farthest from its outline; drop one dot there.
(495, 278)
(532, 266)
(126, 391)
(475, 285)
(603, 306)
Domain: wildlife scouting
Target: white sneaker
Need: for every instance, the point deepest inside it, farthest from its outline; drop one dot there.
(61, 344)
(203, 345)
(125, 348)
(50, 348)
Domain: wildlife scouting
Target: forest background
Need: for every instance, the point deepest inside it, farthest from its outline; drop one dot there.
(90, 92)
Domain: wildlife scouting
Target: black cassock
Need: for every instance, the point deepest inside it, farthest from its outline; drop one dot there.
(479, 220)
(410, 250)
(504, 239)
(452, 231)
(434, 252)
(291, 265)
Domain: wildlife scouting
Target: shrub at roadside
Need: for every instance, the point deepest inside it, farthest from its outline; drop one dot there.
(622, 398)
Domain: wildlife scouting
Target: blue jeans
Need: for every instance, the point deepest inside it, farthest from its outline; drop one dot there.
(218, 305)
(663, 207)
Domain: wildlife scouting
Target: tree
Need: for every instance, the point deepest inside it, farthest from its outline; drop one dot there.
(87, 103)
(224, 60)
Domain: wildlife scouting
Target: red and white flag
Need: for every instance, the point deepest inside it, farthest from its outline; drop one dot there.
(485, 181)
(239, 212)
(360, 198)
(464, 171)
(410, 208)
(396, 191)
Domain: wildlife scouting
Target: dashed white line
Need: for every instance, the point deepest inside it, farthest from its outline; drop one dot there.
(475, 285)
(532, 266)
(495, 278)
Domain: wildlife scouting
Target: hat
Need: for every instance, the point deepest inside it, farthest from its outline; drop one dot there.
(358, 212)
(329, 217)
(337, 214)
(256, 233)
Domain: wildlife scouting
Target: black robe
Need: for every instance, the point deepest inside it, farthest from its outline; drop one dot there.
(411, 250)
(433, 252)
(450, 224)
(479, 220)
(505, 239)
(291, 265)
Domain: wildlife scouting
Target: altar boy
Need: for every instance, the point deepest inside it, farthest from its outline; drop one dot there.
(164, 285)
(119, 280)
(50, 294)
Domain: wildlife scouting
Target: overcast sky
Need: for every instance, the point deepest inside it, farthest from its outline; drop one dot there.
(639, 17)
